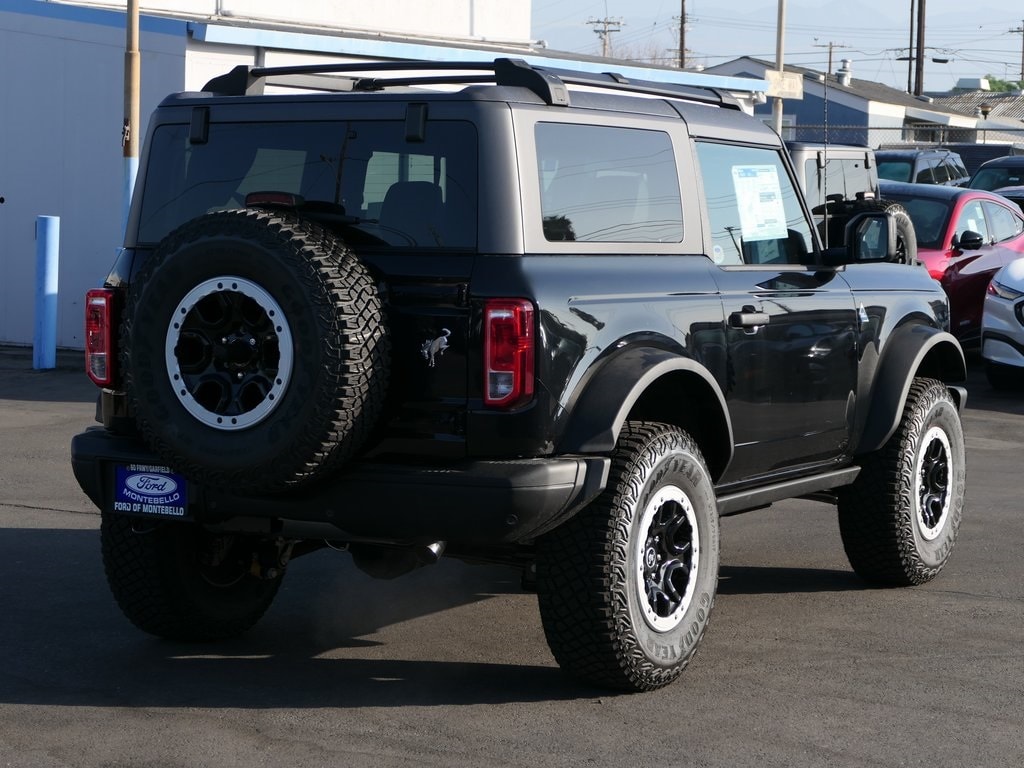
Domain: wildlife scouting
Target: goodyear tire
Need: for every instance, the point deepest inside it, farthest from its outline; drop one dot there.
(627, 586)
(254, 351)
(179, 582)
(899, 520)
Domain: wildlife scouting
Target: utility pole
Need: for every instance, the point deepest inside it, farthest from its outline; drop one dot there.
(780, 48)
(604, 28)
(919, 74)
(910, 50)
(1020, 31)
(682, 34)
(132, 79)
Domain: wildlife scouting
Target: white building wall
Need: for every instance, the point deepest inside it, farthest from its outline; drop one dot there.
(62, 102)
(498, 20)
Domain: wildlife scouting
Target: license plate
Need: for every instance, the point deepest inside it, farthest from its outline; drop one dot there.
(143, 489)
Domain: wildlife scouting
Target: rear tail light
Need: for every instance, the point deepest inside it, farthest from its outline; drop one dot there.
(508, 352)
(99, 336)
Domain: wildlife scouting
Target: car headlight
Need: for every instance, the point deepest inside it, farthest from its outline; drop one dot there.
(1003, 291)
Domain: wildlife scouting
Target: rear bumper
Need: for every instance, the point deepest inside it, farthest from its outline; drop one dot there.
(470, 501)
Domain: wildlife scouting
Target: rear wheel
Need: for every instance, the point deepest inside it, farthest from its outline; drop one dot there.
(180, 582)
(627, 586)
(899, 520)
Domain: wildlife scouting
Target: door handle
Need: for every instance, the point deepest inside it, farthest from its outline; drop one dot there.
(748, 317)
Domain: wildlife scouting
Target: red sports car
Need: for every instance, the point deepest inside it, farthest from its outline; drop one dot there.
(964, 236)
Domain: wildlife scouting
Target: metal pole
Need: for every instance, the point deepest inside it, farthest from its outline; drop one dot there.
(910, 51)
(682, 35)
(780, 47)
(132, 87)
(44, 347)
(919, 74)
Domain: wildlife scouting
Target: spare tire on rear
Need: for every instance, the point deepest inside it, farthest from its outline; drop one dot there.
(906, 235)
(254, 351)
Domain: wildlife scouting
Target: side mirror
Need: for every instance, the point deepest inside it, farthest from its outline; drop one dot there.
(871, 236)
(969, 241)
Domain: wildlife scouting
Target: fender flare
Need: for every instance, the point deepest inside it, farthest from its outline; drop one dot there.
(913, 350)
(598, 412)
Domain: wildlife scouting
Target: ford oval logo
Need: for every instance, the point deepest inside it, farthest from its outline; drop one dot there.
(148, 484)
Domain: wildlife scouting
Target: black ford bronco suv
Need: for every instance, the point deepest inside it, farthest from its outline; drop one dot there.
(503, 314)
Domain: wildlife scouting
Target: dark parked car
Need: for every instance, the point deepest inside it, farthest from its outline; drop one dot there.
(1002, 172)
(964, 236)
(922, 166)
(1016, 194)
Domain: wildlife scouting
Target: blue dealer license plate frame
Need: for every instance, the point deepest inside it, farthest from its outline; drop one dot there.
(150, 490)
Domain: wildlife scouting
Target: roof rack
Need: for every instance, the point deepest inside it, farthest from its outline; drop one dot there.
(547, 83)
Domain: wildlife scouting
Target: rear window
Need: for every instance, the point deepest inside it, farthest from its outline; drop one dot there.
(364, 174)
(847, 177)
(895, 170)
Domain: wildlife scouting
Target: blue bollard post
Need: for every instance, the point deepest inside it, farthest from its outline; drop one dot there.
(44, 349)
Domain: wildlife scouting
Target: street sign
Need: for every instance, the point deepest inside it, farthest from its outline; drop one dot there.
(784, 85)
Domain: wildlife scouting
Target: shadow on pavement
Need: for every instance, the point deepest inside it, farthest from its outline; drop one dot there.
(66, 643)
(753, 580)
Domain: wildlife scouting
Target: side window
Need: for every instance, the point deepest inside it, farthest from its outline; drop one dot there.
(753, 207)
(943, 171)
(925, 175)
(608, 184)
(972, 218)
(1005, 223)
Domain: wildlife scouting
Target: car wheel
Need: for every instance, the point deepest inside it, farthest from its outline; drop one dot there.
(626, 587)
(254, 351)
(899, 520)
(179, 582)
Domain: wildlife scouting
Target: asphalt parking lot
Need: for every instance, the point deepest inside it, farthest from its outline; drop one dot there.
(802, 665)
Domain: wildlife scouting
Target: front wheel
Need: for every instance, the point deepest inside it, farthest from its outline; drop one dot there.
(899, 520)
(627, 586)
(177, 581)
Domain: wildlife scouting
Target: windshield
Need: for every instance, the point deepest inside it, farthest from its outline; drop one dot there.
(996, 177)
(364, 175)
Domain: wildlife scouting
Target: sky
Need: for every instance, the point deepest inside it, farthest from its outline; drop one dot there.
(975, 39)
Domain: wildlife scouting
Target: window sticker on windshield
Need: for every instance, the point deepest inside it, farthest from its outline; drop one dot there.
(759, 199)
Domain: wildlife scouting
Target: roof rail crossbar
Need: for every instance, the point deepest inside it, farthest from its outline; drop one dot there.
(547, 83)
(618, 82)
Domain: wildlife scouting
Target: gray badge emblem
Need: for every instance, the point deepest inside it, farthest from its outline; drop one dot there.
(434, 348)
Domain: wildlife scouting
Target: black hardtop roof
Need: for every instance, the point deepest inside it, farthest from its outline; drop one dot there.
(914, 152)
(931, 191)
(1007, 161)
